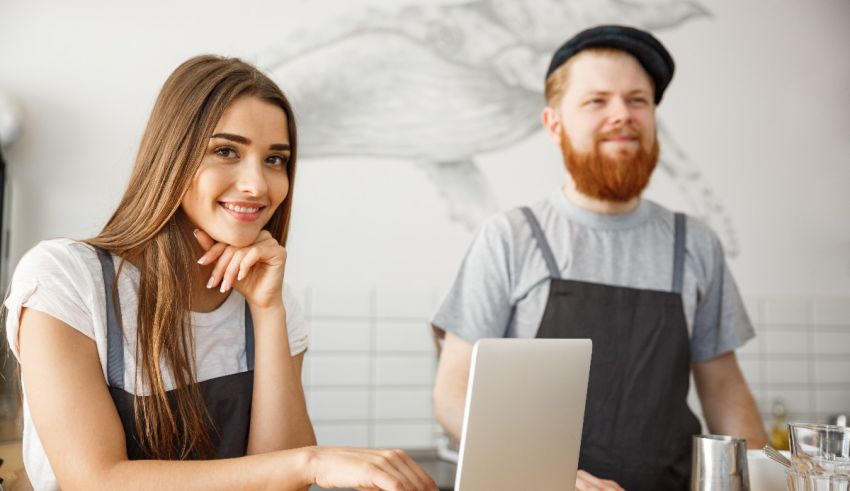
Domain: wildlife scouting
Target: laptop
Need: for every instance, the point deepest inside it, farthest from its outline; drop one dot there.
(524, 413)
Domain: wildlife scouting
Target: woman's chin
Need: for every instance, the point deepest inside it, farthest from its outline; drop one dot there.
(235, 240)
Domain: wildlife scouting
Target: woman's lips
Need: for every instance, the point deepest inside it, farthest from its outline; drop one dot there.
(244, 212)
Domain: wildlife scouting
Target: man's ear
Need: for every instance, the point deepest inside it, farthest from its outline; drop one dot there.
(552, 124)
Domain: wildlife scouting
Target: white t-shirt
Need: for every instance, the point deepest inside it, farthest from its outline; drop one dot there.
(63, 278)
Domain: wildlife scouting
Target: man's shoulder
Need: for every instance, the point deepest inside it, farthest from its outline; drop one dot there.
(699, 234)
(514, 222)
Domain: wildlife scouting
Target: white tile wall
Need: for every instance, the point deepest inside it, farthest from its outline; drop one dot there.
(340, 335)
(413, 369)
(404, 435)
(369, 372)
(803, 358)
(342, 434)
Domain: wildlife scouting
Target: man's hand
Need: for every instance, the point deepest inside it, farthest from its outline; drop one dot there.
(588, 482)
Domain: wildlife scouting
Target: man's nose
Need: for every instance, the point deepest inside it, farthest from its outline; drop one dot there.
(618, 111)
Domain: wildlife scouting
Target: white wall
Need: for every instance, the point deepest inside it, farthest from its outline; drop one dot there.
(760, 104)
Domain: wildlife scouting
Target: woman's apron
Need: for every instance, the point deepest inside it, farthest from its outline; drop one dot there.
(227, 399)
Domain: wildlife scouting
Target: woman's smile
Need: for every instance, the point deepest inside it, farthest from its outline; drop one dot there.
(243, 211)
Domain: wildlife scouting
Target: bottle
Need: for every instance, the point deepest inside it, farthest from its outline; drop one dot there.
(779, 426)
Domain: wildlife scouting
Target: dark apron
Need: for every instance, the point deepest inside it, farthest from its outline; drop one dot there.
(227, 398)
(637, 424)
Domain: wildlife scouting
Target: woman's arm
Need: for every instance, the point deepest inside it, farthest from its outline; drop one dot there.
(278, 412)
(279, 417)
(82, 435)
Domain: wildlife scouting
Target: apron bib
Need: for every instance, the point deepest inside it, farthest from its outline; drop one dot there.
(637, 424)
(227, 399)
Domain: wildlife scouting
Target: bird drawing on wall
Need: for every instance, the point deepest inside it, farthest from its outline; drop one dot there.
(439, 84)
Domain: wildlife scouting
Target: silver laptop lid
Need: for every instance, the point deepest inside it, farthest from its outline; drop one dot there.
(524, 413)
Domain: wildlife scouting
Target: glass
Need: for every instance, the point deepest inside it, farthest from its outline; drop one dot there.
(805, 481)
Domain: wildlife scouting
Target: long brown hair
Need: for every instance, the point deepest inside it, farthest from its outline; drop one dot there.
(148, 230)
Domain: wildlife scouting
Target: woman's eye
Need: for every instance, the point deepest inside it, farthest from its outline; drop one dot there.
(278, 160)
(225, 152)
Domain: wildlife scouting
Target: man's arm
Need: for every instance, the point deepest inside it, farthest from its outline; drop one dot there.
(727, 404)
(450, 384)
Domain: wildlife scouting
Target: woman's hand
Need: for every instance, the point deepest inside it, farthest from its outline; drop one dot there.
(367, 469)
(255, 271)
(588, 482)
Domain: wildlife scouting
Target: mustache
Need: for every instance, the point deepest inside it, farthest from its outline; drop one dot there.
(620, 133)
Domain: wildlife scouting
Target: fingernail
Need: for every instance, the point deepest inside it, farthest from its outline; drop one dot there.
(195, 233)
(240, 276)
(224, 286)
(211, 282)
(202, 260)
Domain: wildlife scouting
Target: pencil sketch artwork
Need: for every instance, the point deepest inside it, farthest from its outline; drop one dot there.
(438, 85)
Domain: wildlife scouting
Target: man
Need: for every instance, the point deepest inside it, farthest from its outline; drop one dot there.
(594, 260)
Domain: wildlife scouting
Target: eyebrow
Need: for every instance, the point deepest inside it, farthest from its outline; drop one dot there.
(608, 92)
(246, 141)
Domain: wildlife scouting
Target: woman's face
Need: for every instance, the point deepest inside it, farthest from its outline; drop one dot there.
(243, 175)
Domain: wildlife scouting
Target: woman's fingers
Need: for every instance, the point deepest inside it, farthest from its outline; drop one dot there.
(212, 253)
(403, 462)
(220, 266)
(231, 272)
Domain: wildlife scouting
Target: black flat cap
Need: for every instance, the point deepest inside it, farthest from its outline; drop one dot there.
(651, 54)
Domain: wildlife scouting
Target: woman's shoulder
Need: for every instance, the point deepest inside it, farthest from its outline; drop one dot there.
(57, 253)
(65, 257)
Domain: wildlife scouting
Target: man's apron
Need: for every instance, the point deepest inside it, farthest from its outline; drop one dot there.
(637, 424)
(227, 398)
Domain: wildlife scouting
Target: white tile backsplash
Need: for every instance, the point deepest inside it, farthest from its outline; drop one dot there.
(412, 336)
(833, 371)
(834, 400)
(370, 368)
(781, 371)
(328, 301)
(340, 335)
(408, 302)
(785, 311)
(786, 342)
(338, 369)
(831, 342)
(832, 312)
(404, 435)
(342, 434)
(338, 404)
(796, 400)
(403, 403)
(411, 369)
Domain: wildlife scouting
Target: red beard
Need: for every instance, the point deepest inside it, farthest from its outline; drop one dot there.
(619, 178)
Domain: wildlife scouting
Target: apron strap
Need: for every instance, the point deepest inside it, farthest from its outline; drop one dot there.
(542, 243)
(680, 231)
(249, 338)
(114, 341)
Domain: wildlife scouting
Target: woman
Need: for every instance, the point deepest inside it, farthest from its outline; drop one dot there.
(169, 339)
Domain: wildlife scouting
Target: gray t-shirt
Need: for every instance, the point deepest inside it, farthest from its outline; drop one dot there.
(503, 283)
